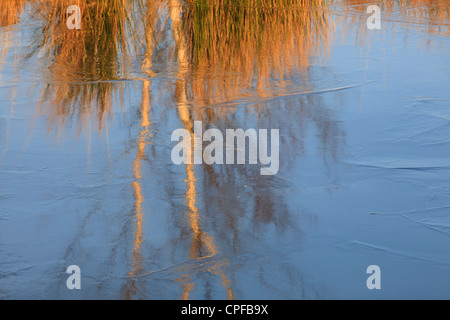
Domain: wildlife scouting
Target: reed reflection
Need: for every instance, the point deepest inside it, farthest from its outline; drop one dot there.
(137, 263)
(11, 11)
(238, 48)
(225, 62)
(86, 64)
(225, 52)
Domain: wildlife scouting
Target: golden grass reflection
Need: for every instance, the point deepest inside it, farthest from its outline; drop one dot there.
(11, 11)
(202, 244)
(236, 48)
(137, 191)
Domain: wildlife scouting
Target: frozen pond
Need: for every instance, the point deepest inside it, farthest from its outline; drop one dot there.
(87, 178)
